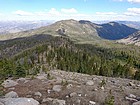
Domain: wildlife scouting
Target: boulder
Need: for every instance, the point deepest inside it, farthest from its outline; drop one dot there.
(57, 88)
(11, 94)
(19, 101)
(9, 83)
(136, 103)
(132, 96)
(89, 83)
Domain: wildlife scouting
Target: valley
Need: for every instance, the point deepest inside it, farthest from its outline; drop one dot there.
(107, 51)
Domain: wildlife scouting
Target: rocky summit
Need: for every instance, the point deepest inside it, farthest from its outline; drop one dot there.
(58, 87)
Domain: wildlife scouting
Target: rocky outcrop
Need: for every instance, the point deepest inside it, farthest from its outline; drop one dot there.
(68, 88)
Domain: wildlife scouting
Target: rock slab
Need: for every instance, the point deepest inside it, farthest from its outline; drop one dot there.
(19, 101)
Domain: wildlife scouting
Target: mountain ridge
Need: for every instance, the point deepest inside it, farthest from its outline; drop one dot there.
(79, 30)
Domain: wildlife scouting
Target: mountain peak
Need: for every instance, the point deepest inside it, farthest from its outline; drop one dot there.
(84, 21)
(114, 23)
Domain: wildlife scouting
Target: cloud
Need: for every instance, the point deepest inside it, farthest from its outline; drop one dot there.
(134, 1)
(131, 1)
(106, 13)
(72, 13)
(133, 11)
(72, 10)
(22, 13)
(53, 11)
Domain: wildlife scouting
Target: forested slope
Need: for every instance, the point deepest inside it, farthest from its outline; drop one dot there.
(46, 52)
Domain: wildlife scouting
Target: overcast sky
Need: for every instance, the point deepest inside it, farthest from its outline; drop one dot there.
(94, 10)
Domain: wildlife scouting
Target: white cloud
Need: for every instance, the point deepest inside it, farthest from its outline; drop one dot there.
(22, 13)
(130, 14)
(72, 10)
(106, 13)
(53, 11)
(134, 11)
(134, 1)
(62, 14)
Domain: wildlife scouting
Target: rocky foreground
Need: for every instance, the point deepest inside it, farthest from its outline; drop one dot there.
(67, 88)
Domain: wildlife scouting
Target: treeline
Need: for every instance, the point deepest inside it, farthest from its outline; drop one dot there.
(61, 53)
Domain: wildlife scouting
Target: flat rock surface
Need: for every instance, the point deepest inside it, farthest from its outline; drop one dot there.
(19, 101)
(9, 83)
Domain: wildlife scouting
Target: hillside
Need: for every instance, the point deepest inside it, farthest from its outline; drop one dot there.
(133, 39)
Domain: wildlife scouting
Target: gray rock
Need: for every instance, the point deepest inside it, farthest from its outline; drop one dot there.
(23, 80)
(1, 103)
(13, 88)
(138, 98)
(57, 88)
(131, 84)
(19, 101)
(89, 83)
(69, 86)
(49, 91)
(92, 103)
(132, 96)
(54, 101)
(102, 88)
(79, 94)
(11, 94)
(131, 99)
(138, 85)
(73, 94)
(9, 83)
(78, 101)
(136, 103)
(42, 76)
(38, 94)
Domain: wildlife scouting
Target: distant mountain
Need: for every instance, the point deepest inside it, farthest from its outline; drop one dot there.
(132, 39)
(133, 24)
(114, 31)
(79, 31)
(18, 26)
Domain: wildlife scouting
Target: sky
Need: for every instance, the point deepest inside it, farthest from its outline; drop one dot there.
(93, 10)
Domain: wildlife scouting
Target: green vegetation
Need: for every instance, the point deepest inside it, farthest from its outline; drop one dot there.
(103, 83)
(47, 52)
(109, 100)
